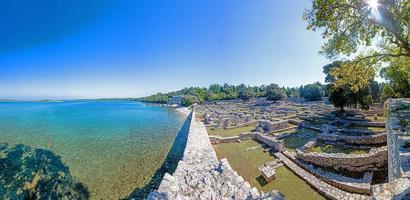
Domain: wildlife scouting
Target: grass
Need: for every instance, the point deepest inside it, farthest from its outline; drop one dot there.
(379, 119)
(229, 132)
(295, 141)
(286, 132)
(374, 129)
(328, 148)
(246, 163)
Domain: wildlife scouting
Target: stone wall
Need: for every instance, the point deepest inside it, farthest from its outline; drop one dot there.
(371, 161)
(277, 145)
(360, 186)
(357, 140)
(242, 136)
(398, 189)
(200, 175)
(269, 126)
(394, 163)
(364, 123)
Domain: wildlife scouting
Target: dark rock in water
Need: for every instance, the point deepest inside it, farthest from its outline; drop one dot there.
(27, 173)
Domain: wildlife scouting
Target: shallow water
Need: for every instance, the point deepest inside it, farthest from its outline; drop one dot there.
(111, 147)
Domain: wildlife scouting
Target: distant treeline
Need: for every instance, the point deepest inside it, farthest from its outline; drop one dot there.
(214, 92)
(227, 92)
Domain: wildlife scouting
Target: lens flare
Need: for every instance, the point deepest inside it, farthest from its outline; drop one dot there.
(373, 7)
(373, 4)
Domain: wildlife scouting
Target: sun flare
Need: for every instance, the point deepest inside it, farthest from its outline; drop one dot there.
(373, 4)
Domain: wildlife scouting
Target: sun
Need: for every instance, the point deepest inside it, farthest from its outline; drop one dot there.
(373, 4)
(373, 8)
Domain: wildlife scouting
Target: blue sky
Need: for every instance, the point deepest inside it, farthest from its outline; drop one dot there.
(131, 48)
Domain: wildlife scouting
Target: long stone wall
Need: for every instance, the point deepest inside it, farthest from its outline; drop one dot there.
(238, 138)
(371, 161)
(200, 175)
(398, 187)
(351, 139)
(277, 145)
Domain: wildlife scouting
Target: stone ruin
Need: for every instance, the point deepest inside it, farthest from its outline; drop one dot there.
(200, 175)
(334, 129)
(398, 131)
(268, 170)
(271, 126)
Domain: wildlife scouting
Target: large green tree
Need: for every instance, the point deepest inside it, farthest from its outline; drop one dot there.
(274, 92)
(350, 83)
(371, 32)
(312, 92)
(350, 24)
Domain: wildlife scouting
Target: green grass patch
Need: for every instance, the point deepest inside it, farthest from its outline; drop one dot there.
(378, 119)
(286, 132)
(299, 138)
(374, 129)
(229, 132)
(329, 148)
(246, 163)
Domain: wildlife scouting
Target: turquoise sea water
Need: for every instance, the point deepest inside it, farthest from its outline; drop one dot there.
(111, 147)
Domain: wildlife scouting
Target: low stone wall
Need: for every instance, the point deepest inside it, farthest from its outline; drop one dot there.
(242, 136)
(357, 140)
(364, 123)
(294, 121)
(398, 189)
(360, 186)
(321, 186)
(308, 126)
(396, 163)
(250, 123)
(371, 161)
(200, 175)
(277, 145)
(269, 126)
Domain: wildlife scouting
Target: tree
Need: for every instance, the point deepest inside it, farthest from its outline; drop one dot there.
(188, 100)
(312, 92)
(378, 28)
(348, 24)
(398, 77)
(376, 90)
(246, 93)
(274, 92)
(350, 82)
(292, 92)
(338, 98)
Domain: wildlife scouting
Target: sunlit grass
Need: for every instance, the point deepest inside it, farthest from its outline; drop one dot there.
(229, 132)
(374, 129)
(329, 148)
(246, 163)
(378, 119)
(295, 140)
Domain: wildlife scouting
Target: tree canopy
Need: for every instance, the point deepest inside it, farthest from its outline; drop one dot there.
(348, 25)
(312, 92)
(350, 83)
(372, 33)
(275, 93)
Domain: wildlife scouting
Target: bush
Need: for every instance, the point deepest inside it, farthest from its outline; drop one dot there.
(312, 92)
(246, 94)
(274, 92)
(188, 100)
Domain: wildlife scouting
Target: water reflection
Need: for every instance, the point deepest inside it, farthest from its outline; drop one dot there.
(27, 173)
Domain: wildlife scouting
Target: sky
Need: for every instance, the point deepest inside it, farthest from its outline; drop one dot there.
(65, 49)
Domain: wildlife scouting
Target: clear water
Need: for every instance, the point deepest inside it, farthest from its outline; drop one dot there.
(111, 147)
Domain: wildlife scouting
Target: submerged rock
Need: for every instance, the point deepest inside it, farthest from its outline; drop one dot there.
(27, 173)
